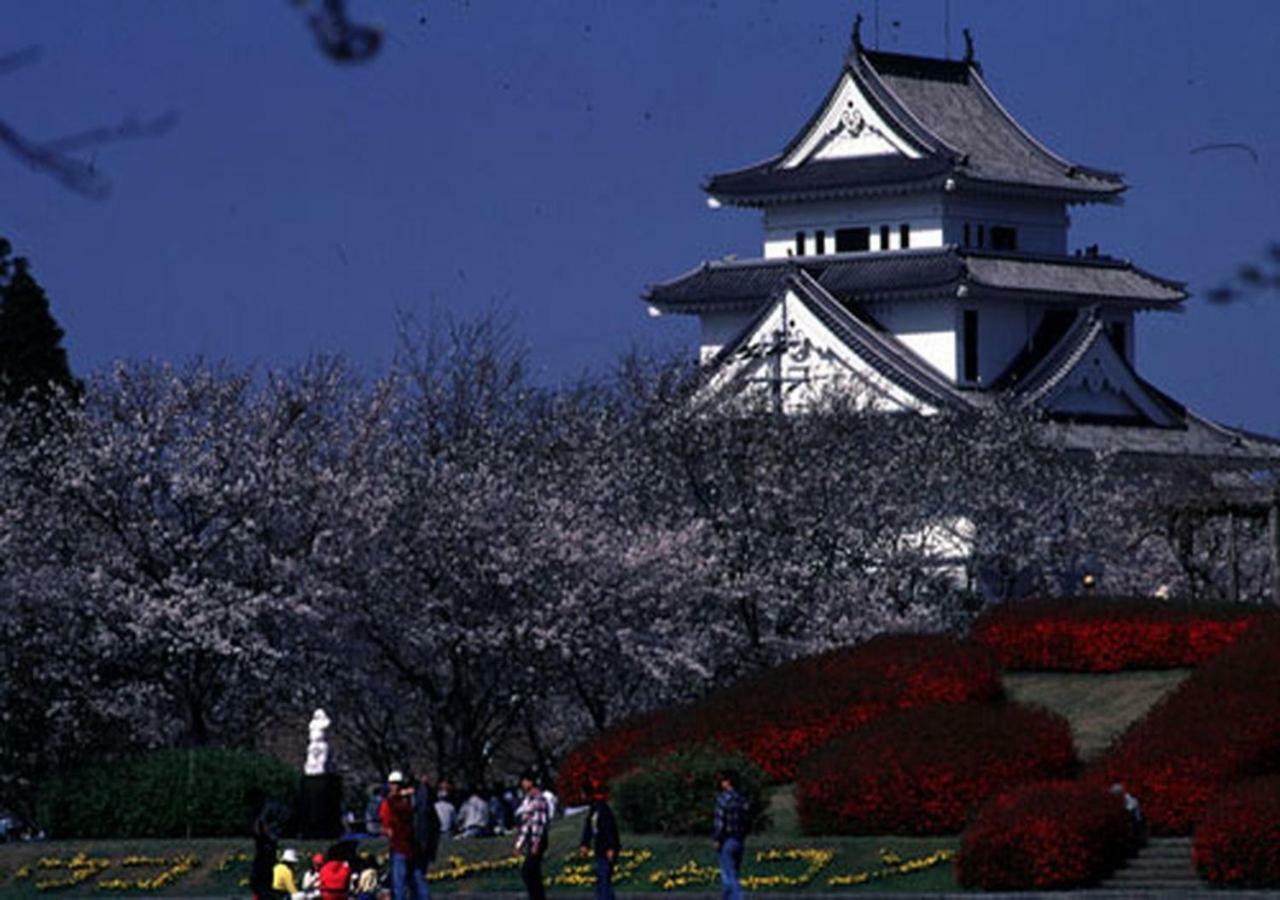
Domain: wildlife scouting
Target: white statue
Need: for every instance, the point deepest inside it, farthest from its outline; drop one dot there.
(317, 747)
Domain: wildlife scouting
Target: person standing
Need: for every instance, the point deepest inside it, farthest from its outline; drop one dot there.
(426, 831)
(600, 836)
(729, 831)
(261, 874)
(282, 879)
(396, 818)
(532, 819)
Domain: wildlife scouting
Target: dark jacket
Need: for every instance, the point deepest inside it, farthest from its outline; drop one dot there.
(426, 828)
(264, 854)
(600, 830)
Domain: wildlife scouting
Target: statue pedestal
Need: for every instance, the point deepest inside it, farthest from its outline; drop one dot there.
(320, 807)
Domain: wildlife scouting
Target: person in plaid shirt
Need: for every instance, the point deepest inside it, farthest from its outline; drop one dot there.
(729, 830)
(531, 835)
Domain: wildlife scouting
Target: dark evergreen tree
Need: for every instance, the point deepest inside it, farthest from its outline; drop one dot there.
(31, 353)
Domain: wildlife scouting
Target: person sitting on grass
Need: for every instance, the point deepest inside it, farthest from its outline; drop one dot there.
(282, 878)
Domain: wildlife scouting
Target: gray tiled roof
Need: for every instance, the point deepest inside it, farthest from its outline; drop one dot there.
(1198, 439)
(746, 283)
(950, 116)
(953, 103)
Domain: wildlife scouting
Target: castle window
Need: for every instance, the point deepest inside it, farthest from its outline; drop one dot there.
(884, 237)
(904, 236)
(1119, 335)
(820, 242)
(967, 235)
(799, 243)
(853, 240)
(969, 334)
(1004, 237)
(982, 234)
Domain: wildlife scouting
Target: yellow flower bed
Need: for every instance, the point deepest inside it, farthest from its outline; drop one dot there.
(175, 868)
(80, 866)
(892, 865)
(460, 868)
(583, 874)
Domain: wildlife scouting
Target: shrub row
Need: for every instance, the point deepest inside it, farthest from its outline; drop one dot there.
(926, 771)
(168, 793)
(780, 716)
(1237, 841)
(673, 794)
(1108, 634)
(1218, 727)
(1048, 835)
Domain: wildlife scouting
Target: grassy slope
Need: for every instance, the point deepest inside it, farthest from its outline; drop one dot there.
(1098, 707)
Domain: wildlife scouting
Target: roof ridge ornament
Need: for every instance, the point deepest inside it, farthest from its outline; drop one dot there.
(855, 36)
(968, 45)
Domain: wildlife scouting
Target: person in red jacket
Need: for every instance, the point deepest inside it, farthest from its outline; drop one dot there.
(396, 816)
(335, 880)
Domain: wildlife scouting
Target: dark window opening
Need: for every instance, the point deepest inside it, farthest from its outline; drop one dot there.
(799, 243)
(884, 237)
(1004, 237)
(1119, 335)
(904, 236)
(967, 240)
(853, 240)
(970, 334)
(981, 235)
(820, 241)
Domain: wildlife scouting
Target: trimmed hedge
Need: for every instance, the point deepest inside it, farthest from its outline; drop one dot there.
(1109, 634)
(162, 794)
(674, 794)
(1218, 727)
(926, 771)
(1237, 841)
(1054, 835)
(780, 716)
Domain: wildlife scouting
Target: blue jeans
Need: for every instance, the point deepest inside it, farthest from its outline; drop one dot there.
(730, 860)
(406, 878)
(604, 879)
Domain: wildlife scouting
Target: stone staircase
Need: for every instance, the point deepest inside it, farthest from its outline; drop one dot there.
(1164, 865)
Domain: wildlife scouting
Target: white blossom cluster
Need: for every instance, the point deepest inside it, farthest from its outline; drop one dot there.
(464, 569)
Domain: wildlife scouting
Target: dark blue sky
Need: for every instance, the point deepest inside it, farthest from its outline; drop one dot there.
(545, 156)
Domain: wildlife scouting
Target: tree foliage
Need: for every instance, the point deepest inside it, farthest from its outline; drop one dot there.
(471, 573)
(31, 355)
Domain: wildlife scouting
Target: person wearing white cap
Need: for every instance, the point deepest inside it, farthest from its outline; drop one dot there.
(396, 816)
(282, 880)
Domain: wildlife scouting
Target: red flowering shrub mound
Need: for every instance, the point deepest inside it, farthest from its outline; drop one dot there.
(778, 717)
(1218, 727)
(1101, 634)
(1046, 835)
(926, 770)
(1237, 841)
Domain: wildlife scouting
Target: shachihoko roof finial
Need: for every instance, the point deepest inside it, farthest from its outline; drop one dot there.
(857, 33)
(968, 45)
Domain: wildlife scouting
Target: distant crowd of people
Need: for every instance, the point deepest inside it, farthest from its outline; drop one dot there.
(414, 816)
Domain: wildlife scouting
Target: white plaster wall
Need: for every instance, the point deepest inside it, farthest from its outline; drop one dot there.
(1042, 227)
(927, 327)
(922, 213)
(719, 329)
(833, 138)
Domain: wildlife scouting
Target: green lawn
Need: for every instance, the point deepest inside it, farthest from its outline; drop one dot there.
(1098, 707)
(223, 864)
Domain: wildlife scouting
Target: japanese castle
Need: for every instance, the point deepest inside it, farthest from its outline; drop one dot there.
(915, 257)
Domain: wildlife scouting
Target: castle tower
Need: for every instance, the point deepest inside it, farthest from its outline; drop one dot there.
(915, 256)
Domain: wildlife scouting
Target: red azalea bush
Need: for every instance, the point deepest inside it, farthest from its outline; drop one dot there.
(1107, 634)
(926, 770)
(1218, 727)
(778, 717)
(1047, 835)
(1237, 841)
